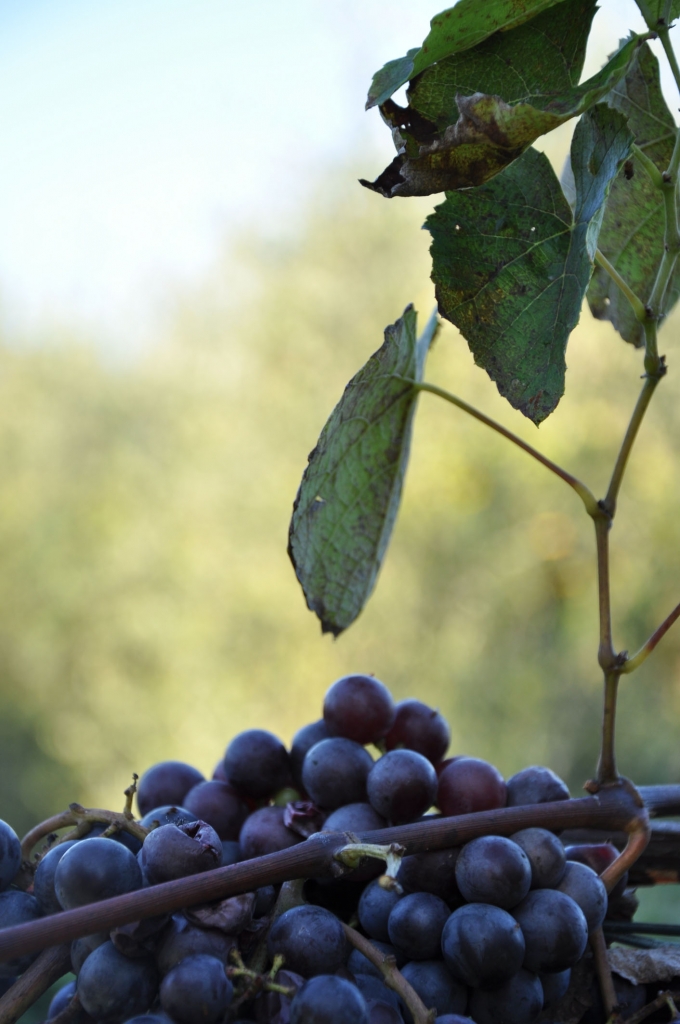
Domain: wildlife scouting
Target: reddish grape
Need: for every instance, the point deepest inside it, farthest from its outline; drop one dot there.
(219, 805)
(469, 784)
(360, 708)
(420, 728)
(599, 856)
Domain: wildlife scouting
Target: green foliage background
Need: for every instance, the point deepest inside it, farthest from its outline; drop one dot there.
(147, 606)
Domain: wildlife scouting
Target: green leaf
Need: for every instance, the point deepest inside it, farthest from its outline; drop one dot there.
(511, 263)
(633, 225)
(454, 30)
(490, 131)
(349, 496)
(657, 8)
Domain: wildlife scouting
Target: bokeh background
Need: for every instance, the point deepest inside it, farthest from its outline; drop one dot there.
(189, 274)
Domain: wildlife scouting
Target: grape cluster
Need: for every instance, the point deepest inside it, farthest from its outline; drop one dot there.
(485, 933)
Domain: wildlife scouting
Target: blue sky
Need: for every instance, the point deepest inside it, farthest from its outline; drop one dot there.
(137, 136)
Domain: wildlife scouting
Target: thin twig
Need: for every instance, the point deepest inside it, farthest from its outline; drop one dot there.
(393, 978)
(602, 261)
(51, 965)
(603, 971)
(632, 663)
(644, 398)
(650, 1008)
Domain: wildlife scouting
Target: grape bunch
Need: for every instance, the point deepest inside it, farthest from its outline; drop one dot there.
(486, 933)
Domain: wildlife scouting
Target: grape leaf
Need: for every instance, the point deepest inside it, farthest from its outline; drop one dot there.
(349, 496)
(489, 134)
(657, 7)
(511, 263)
(632, 230)
(454, 30)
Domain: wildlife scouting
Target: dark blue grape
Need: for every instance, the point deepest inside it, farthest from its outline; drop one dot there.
(95, 870)
(382, 1013)
(433, 872)
(518, 1001)
(402, 785)
(174, 851)
(375, 989)
(436, 986)
(181, 939)
(482, 945)
(265, 898)
(133, 844)
(416, 923)
(167, 782)
(359, 964)
(264, 832)
(334, 772)
(275, 1006)
(303, 740)
(554, 987)
(17, 907)
(454, 1018)
(197, 989)
(231, 853)
(554, 929)
(113, 987)
(587, 889)
(81, 948)
(311, 939)
(168, 814)
(61, 999)
(494, 870)
(257, 764)
(546, 856)
(43, 880)
(375, 906)
(535, 785)
(219, 805)
(358, 817)
(328, 1000)
(359, 708)
(10, 854)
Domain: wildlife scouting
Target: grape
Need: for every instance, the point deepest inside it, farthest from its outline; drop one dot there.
(415, 925)
(554, 987)
(375, 906)
(546, 856)
(433, 872)
(98, 828)
(340, 896)
(95, 870)
(334, 772)
(359, 964)
(166, 783)
(61, 999)
(265, 898)
(114, 987)
(256, 764)
(265, 832)
(535, 785)
(585, 888)
(219, 805)
(454, 1018)
(436, 987)
(554, 928)
(196, 989)
(43, 880)
(375, 990)
(310, 938)
(303, 740)
(275, 1006)
(469, 784)
(81, 948)
(420, 728)
(482, 945)
(359, 708)
(518, 1001)
(328, 1000)
(231, 853)
(599, 856)
(401, 785)
(382, 1013)
(168, 814)
(10, 854)
(173, 851)
(494, 870)
(359, 817)
(182, 939)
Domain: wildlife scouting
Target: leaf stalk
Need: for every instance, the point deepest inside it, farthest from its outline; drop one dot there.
(637, 304)
(631, 664)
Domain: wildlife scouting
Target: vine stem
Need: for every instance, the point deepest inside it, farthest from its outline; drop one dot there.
(632, 663)
(645, 397)
(583, 492)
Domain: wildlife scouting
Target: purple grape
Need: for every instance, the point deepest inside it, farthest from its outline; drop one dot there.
(10, 854)
(167, 814)
(334, 772)
(61, 999)
(535, 785)
(43, 880)
(181, 939)
(554, 928)
(173, 851)
(482, 945)
(493, 870)
(415, 925)
(195, 990)
(360, 708)
(265, 832)
(231, 853)
(114, 987)
(433, 872)
(402, 785)
(219, 805)
(469, 784)
(303, 740)
(310, 938)
(587, 890)
(420, 728)
(326, 999)
(518, 1001)
(81, 948)
(257, 764)
(167, 782)
(95, 870)
(436, 986)
(359, 817)
(546, 856)
(375, 906)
